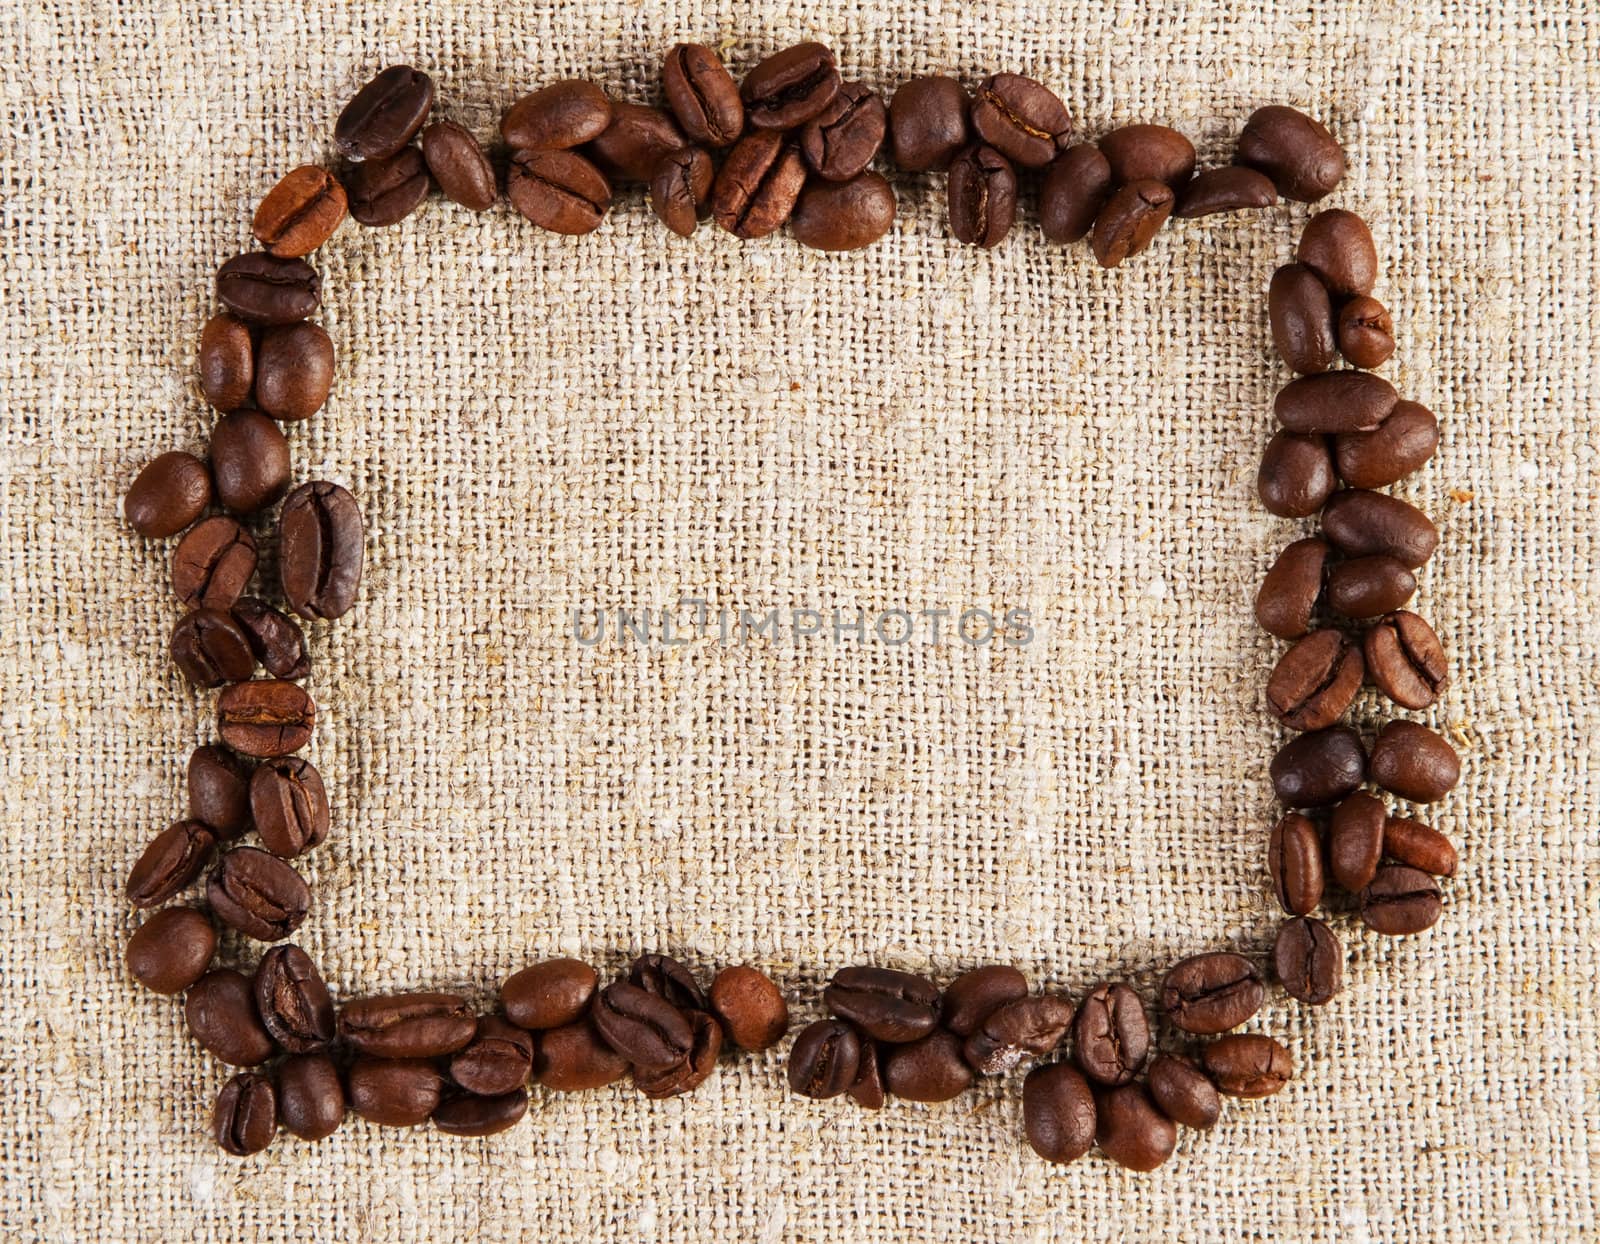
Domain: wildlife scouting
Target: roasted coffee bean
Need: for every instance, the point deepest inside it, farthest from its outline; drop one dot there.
(227, 361)
(788, 89)
(219, 791)
(1230, 188)
(843, 215)
(276, 639)
(1017, 1031)
(702, 95)
(1148, 153)
(689, 1072)
(171, 950)
(1338, 247)
(263, 289)
(1319, 768)
(1248, 1064)
(1132, 216)
(1400, 900)
(245, 1118)
(213, 563)
(293, 1001)
(982, 193)
(220, 1010)
(387, 189)
(173, 859)
(1076, 187)
(824, 1060)
(1132, 1131)
(551, 994)
(1355, 840)
(885, 1004)
(319, 550)
(1365, 587)
(1297, 152)
(1289, 593)
(481, 1116)
(1401, 445)
(928, 123)
(295, 371)
(867, 1090)
(1058, 1114)
(574, 1059)
(929, 1069)
(1296, 476)
(385, 114)
(310, 1096)
(974, 996)
(249, 461)
(1334, 402)
(498, 1060)
(457, 163)
(211, 649)
(1360, 523)
(394, 1092)
(1184, 1093)
(1315, 681)
(1405, 659)
(1366, 332)
(1022, 119)
(300, 213)
(645, 1029)
(258, 894)
(757, 187)
(665, 977)
(632, 147)
(1414, 762)
(751, 1008)
(1308, 961)
(1294, 861)
(556, 117)
(265, 717)
(559, 191)
(170, 493)
(1419, 846)
(289, 806)
(1212, 993)
(1302, 318)
(408, 1025)
(841, 140)
(680, 192)
(1110, 1036)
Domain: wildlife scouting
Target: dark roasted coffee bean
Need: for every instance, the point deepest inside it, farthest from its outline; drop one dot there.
(1419, 846)
(758, 185)
(258, 894)
(645, 1029)
(498, 1060)
(1289, 593)
(1366, 332)
(928, 123)
(265, 717)
(459, 166)
(1302, 318)
(1017, 1031)
(974, 996)
(702, 95)
(1315, 681)
(632, 147)
(1058, 1114)
(1184, 1093)
(1404, 442)
(788, 89)
(300, 213)
(1296, 476)
(680, 191)
(1132, 216)
(551, 994)
(841, 140)
(171, 950)
(295, 371)
(929, 1069)
(211, 648)
(1360, 523)
(1132, 1131)
(170, 493)
(213, 563)
(1415, 763)
(289, 806)
(220, 1010)
(665, 977)
(867, 1090)
(1076, 187)
(1230, 188)
(1335, 401)
(1308, 961)
(559, 191)
(219, 791)
(1338, 247)
(385, 114)
(1297, 152)
(1400, 901)
(574, 1059)
(1021, 118)
(173, 859)
(227, 361)
(264, 289)
(982, 193)
(1248, 1064)
(394, 1092)
(1212, 993)
(689, 1072)
(1365, 587)
(1110, 1036)
(292, 1000)
(751, 1008)
(1294, 862)
(481, 1116)
(1405, 659)
(1148, 153)
(319, 550)
(275, 638)
(885, 1004)
(310, 1096)
(1355, 840)
(824, 1060)
(249, 461)
(1319, 768)
(843, 215)
(556, 117)
(407, 1025)
(245, 1118)
(387, 189)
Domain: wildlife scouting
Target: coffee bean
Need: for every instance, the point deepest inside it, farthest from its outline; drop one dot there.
(170, 862)
(394, 1092)
(1110, 1036)
(1230, 188)
(211, 649)
(841, 140)
(1248, 1064)
(300, 213)
(219, 791)
(1338, 247)
(498, 1060)
(1183, 1092)
(982, 195)
(702, 95)
(319, 550)
(457, 163)
(1414, 762)
(824, 1059)
(974, 996)
(632, 147)
(1302, 318)
(171, 950)
(385, 114)
(1401, 901)
(1308, 961)
(1399, 446)
(1355, 840)
(885, 1004)
(1366, 332)
(276, 639)
(1365, 587)
(668, 979)
(551, 994)
(690, 1071)
(1334, 402)
(843, 216)
(1058, 1114)
(249, 460)
(1212, 993)
(1315, 681)
(1294, 861)
(1017, 1031)
(680, 191)
(1318, 768)
(930, 1069)
(758, 185)
(1419, 846)
(227, 361)
(408, 1025)
(213, 563)
(1132, 1131)
(245, 1118)
(752, 1009)
(788, 89)
(170, 493)
(1132, 216)
(1148, 153)
(645, 1029)
(310, 1096)
(928, 123)
(1022, 119)
(1290, 590)
(289, 806)
(559, 191)
(264, 289)
(574, 1059)
(258, 894)
(558, 116)
(1076, 187)
(293, 1001)
(1405, 659)
(295, 371)
(1360, 523)
(220, 1010)
(481, 1116)
(1297, 152)
(867, 1090)
(1296, 476)
(387, 189)
(265, 717)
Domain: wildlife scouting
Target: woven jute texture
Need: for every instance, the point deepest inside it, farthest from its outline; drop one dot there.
(534, 423)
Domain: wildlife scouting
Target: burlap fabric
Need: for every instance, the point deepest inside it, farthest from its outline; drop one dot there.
(534, 423)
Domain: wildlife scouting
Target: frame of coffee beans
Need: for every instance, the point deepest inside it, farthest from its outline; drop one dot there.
(792, 144)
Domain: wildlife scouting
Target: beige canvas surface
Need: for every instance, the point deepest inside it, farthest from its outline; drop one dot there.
(533, 423)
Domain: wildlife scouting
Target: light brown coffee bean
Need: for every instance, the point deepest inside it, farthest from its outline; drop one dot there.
(1315, 681)
(1131, 218)
(213, 564)
(680, 192)
(758, 185)
(752, 1009)
(559, 191)
(702, 95)
(1294, 862)
(266, 717)
(300, 213)
(1366, 332)
(1419, 846)
(556, 117)
(1405, 660)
